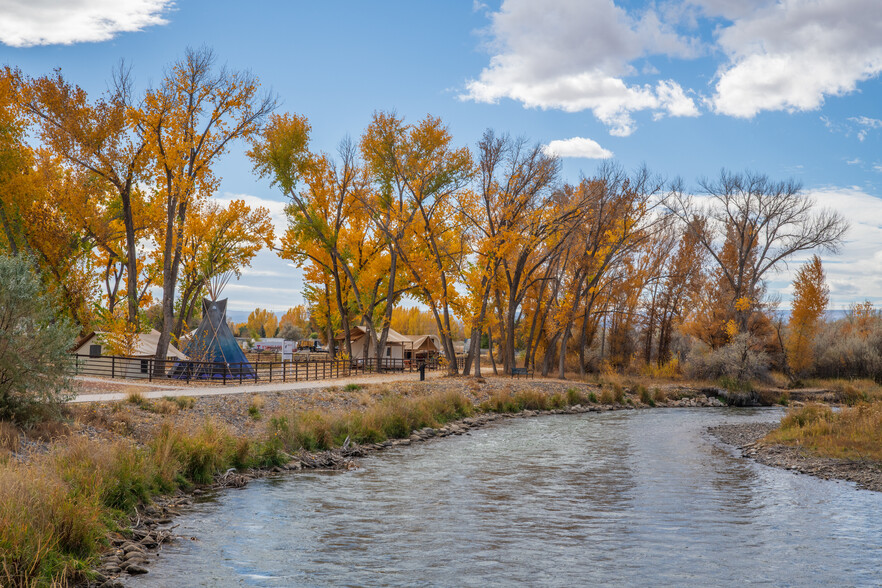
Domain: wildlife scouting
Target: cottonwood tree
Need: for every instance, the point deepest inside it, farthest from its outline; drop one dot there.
(188, 122)
(218, 241)
(515, 184)
(419, 177)
(329, 229)
(753, 225)
(810, 297)
(98, 136)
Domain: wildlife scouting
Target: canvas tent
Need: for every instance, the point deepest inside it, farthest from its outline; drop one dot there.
(423, 347)
(213, 351)
(361, 344)
(135, 366)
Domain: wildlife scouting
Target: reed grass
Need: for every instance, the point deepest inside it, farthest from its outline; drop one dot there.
(852, 433)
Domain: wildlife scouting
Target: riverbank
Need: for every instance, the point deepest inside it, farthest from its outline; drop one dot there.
(74, 490)
(749, 440)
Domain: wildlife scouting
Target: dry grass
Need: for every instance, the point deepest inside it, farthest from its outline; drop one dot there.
(851, 392)
(164, 406)
(10, 437)
(852, 433)
(256, 405)
(137, 398)
(56, 508)
(48, 431)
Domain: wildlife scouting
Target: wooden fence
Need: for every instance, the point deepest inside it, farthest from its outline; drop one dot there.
(178, 370)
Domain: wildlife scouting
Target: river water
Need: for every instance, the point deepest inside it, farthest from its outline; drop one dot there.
(628, 497)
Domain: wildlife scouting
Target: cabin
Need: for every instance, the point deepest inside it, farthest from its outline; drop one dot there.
(91, 360)
(398, 347)
(423, 347)
(361, 344)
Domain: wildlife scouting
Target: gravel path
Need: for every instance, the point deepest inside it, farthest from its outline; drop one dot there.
(96, 389)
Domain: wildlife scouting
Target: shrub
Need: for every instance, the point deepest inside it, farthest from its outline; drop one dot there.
(618, 393)
(575, 397)
(606, 396)
(255, 407)
(183, 402)
(807, 415)
(352, 387)
(592, 397)
(741, 360)
(34, 357)
(645, 396)
(137, 399)
(659, 395)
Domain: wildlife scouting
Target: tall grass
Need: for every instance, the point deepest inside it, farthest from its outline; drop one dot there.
(55, 510)
(852, 433)
(391, 418)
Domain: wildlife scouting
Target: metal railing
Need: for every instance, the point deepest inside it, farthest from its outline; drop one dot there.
(180, 370)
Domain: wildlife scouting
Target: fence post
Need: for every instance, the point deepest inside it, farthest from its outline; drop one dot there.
(240, 373)
(271, 372)
(112, 366)
(307, 370)
(284, 367)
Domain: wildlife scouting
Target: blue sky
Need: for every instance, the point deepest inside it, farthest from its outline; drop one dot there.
(790, 88)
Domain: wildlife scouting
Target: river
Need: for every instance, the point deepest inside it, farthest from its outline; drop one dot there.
(627, 497)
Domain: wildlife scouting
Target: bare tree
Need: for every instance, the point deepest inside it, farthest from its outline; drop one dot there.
(753, 225)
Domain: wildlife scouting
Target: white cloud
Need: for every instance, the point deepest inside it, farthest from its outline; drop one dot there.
(866, 123)
(791, 54)
(861, 255)
(578, 147)
(25, 23)
(572, 55)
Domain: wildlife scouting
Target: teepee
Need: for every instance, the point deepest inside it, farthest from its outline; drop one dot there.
(213, 349)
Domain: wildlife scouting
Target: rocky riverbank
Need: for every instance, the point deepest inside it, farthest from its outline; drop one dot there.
(748, 439)
(152, 527)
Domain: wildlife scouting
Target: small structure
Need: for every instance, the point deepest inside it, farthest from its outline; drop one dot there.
(213, 351)
(423, 347)
(361, 345)
(91, 359)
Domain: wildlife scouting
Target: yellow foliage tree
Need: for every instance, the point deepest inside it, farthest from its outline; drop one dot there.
(810, 298)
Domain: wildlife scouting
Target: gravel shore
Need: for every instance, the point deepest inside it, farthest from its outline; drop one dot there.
(748, 439)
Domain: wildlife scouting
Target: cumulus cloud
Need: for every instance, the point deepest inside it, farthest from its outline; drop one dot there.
(573, 55)
(25, 23)
(861, 255)
(578, 147)
(791, 54)
(773, 55)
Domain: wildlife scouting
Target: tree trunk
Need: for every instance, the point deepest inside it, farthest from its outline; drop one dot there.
(131, 259)
(490, 346)
(7, 228)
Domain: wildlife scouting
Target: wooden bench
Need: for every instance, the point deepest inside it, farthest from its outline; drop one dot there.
(521, 372)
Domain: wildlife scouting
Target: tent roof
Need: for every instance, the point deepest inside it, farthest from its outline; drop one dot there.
(359, 332)
(419, 341)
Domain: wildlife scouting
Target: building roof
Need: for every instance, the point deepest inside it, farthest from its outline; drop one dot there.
(145, 347)
(394, 337)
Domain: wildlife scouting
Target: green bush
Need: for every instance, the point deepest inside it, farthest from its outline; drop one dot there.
(35, 355)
